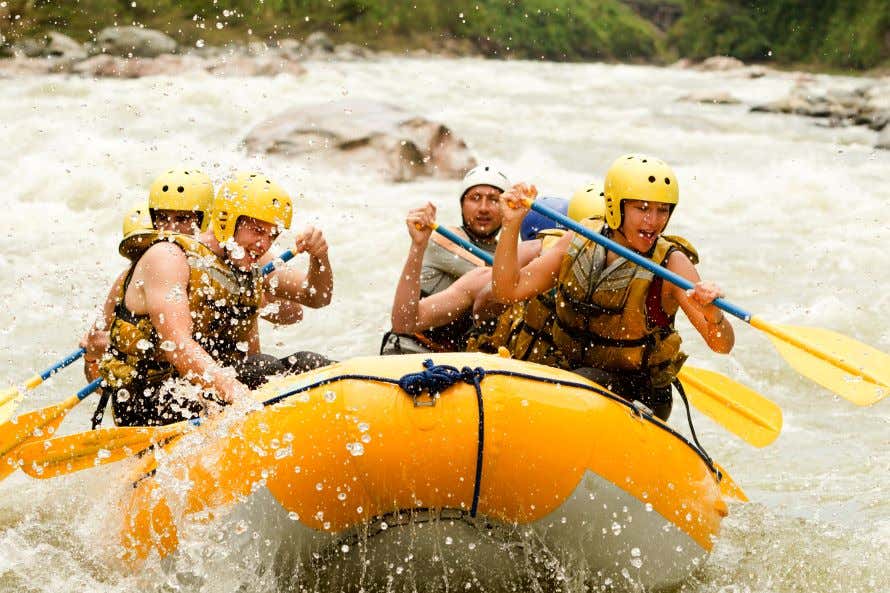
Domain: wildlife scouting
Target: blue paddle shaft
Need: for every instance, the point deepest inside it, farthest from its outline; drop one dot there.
(62, 364)
(89, 388)
(455, 238)
(636, 258)
(285, 257)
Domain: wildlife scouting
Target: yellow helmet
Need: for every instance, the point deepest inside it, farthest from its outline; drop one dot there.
(638, 177)
(253, 195)
(137, 220)
(183, 190)
(587, 202)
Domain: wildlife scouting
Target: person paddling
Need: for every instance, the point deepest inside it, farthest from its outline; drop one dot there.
(613, 321)
(188, 308)
(445, 262)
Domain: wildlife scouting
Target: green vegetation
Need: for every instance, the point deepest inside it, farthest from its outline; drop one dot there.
(832, 33)
(549, 29)
(818, 33)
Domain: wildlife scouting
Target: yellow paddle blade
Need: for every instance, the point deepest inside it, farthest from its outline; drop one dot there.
(36, 424)
(849, 368)
(728, 486)
(63, 455)
(9, 461)
(9, 401)
(738, 408)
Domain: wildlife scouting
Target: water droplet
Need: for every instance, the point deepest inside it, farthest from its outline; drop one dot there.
(168, 346)
(293, 516)
(364, 427)
(616, 528)
(297, 469)
(330, 396)
(383, 526)
(143, 344)
(240, 527)
(242, 346)
(341, 496)
(287, 437)
(399, 570)
(344, 548)
(319, 486)
(635, 552)
(636, 562)
(524, 403)
(359, 510)
(355, 449)
(103, 454)
(366, 438)
(326, 525)
(448, 541)
(472, 546)
(283, 452)
(122, 395)
(648, 507)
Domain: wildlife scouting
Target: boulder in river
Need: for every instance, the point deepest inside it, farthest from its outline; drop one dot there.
(713, 97)
(720, 64)
(59, 45)
(365, 135)
(134, 41)
(884, 139)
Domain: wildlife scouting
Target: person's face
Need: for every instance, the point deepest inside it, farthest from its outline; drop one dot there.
(643, 222)
(480, 209)
(254, 237)
(177, 221)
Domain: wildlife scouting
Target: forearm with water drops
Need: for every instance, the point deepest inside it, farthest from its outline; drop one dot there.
(505, 268)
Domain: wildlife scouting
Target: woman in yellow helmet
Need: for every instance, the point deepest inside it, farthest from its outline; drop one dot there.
(613, 321)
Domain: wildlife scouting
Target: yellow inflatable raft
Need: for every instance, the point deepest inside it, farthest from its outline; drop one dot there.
(473, 449)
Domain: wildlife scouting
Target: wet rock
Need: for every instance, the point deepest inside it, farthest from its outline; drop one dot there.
(105, 66)
(290, 48)
(366, 136)
(61, 46)
(319, 43)
(350, 51)
(28, 48)
(682, 64)
(22, 66)
(884, 139)
(714, 97)
(134, 41)
(266, 65)
(720, 64)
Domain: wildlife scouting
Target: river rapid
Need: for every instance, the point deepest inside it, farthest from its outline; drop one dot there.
(791, 218)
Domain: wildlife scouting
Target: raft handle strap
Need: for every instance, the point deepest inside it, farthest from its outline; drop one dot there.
(435, 379)
(682, 392)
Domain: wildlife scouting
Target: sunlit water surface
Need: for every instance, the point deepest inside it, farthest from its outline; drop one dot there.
(791, 219)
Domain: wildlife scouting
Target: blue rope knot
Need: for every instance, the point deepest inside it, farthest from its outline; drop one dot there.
(437, 378)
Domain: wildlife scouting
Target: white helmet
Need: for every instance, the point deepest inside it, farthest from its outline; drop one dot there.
(484, 175)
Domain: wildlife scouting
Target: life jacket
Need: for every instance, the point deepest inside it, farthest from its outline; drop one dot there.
(521, 326)
(606, 317)
(224, 303)
(452, 260)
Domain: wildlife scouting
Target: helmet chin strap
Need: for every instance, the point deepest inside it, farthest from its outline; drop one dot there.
(476, 237)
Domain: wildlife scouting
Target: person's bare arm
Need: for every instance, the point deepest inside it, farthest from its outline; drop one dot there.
(509, 282)
(698, 306)
(96, 340)
(165, 274)
(313, 288)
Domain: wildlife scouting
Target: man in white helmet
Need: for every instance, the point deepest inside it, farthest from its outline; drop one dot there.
(445, 262)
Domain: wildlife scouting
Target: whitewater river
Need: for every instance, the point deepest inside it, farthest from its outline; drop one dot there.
(791, 218)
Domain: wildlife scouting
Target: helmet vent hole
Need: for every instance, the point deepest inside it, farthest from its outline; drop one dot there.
(165, 188)
(651, 179)
(667, 180)
(180, 189)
